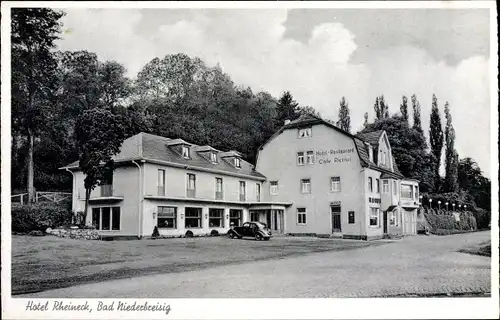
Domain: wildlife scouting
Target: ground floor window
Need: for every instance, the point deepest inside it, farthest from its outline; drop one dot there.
(106, 218)
(301, 216)
(351, 217)
(235, 217)
(254, 216)
(394, 218)
(167, 217)
(193, 218)
(374, 217)
(216, 218)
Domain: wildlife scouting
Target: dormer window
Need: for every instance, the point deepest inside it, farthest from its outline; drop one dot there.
(305, 132)
(370, 152)
(185, 152)
(237, 162)
(213, 157)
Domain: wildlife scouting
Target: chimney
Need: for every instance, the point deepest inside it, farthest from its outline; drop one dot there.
(287, 121)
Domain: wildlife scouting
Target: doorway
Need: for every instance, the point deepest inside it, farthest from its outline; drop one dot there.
(336, 221)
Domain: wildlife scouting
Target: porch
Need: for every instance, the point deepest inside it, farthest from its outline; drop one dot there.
(271, 215)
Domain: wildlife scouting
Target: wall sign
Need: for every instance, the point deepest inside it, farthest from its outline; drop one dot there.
(334, 156)
(374, 200)
(335, 203)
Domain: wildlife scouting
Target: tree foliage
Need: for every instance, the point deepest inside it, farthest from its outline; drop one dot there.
(381, 108)
(436, 139)
(404, 109)
(417, 121)
(344, 121)
(451, 156)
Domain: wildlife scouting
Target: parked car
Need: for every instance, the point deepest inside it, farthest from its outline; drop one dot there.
(250, 229)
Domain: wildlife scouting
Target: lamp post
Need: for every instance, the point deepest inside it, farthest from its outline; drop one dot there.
(430, 203)
(420, 200)
(459, 206)
(439, 204)
(453, 207)
(446, 205)
(465, 207)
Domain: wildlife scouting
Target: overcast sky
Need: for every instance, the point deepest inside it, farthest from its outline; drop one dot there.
(319, 55)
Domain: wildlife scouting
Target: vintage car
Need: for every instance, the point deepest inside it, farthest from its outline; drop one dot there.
(255, 230)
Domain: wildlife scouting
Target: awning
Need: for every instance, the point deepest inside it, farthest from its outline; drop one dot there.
(391, 208)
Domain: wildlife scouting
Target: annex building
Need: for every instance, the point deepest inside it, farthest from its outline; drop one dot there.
(310, 178)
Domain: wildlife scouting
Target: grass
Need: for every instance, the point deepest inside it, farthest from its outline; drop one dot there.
(481, 249)
(43, 263)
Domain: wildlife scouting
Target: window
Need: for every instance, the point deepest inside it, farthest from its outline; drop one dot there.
(106, 184)
(370, 184)
(393, 218)
(191, 185)
(300, 158)
(335, 184)
(218, 189)
(185, 152)
(235, 217)
(213, 157)
(167, 217)
(242, 190)
(370, 152)
(350, 216)
(301, 216)
(216, 218)
(161, 182)
(305, 186)
(374, 217)
(254, 216)
(305, 132)
(377, 181)
(385, 186)
(257, 192)
(382, 158)
(310, 157)
(395, 187)
(106, 218)
(237, 162)
(406, 191)
(273, 188)
(193, 218)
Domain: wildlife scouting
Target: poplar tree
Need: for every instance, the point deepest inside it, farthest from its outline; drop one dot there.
(366, 120)
(436, 139)
(404, 109)
(451, 156)
(344, 116)
(381, 108)
(417, 122)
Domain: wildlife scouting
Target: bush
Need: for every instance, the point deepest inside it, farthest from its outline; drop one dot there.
(39, 216)
(189, 234)
(36, 233)
(447, 222)
(483, 218)
(214, 233)
(156, 233)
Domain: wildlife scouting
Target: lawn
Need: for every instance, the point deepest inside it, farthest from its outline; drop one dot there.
(43, 263)
(481, 249)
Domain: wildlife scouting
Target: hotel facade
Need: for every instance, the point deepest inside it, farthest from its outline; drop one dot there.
(310, 178)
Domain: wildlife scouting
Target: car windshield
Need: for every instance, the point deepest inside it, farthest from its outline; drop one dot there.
(260, 225)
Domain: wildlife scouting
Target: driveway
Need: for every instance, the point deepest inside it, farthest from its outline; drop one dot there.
(420, 265)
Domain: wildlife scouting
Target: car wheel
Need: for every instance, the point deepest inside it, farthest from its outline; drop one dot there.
(258, 236)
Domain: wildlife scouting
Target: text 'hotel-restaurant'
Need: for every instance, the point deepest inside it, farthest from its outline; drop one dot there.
(310, 177)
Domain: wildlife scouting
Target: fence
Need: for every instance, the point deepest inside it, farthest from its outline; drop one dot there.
(41, 196)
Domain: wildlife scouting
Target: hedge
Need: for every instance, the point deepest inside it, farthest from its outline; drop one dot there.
(467, 221)
(39, 216)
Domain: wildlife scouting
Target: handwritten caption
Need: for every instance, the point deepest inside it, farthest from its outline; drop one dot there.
(86, 306)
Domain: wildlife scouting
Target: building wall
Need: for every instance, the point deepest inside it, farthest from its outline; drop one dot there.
(278, 161)
(372, 231)
(176, 183)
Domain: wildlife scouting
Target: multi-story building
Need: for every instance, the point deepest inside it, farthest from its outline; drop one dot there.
(310, 178)
(338, 183)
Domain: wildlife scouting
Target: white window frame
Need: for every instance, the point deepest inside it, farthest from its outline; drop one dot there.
(213, 157)
(161, 182)
(301, 221)
(175, 217)
(305, 132)
(185, 152)
(237, 162)
(385, 185)
(110, 218)
(257, 191)
(370, 184)
(211, 217)
(395, 187)
(395, 215)
(310, 157)
(335, 185)
(411, 191)
(189, 175)
(377, 214)
(244, 185)
(303, 183)
(300, 158)
(377, 182)
(273, 188)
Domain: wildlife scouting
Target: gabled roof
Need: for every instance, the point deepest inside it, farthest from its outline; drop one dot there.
(152, 148)
(204, 149)
(372, 138)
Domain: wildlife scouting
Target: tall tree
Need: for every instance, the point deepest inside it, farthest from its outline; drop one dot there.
(381, 108)
(451, 156)
(344, 116)
(287, 108)
(417, 121)
(99, 134)
(436, 139)
(365, 123)
(404, 109)
(34, 31)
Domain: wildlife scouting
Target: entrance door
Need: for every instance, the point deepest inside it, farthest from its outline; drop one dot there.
(336, 224)
(385, 221)
(277, 221)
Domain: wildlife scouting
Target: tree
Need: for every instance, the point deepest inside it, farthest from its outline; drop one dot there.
(381, 108)
(451, 156)
(287, 109)
(404, 109)
(34, 31)
(417, 122)
(365, 124)
(436, 139)
(344, 117)
(99, 134)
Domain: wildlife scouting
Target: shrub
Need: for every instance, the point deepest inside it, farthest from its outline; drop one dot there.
(36, 233)
(214, 233)
(156, 233)
(39, 216)
(467, 222)
(189, 234)
(483, 218)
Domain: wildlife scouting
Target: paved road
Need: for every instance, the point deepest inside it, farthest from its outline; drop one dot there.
(420, 265)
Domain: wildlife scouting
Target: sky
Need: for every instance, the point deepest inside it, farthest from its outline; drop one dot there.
(319, 55)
